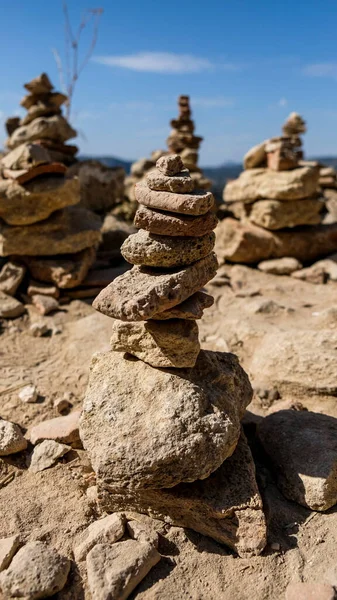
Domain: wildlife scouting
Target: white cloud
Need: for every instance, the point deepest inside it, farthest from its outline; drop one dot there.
(282, 102)
(328, 69)
(216, 102)
(157, 62)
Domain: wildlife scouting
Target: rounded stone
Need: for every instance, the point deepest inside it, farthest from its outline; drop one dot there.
(166, 223)
(11, 438)
(181, 183)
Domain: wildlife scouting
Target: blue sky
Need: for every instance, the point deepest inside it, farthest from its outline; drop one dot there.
(245, 64)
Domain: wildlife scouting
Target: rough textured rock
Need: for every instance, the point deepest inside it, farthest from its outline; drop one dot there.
(54, 128)
(67, 231)
(144, 248)
(8, 547)
(114, 571)
(143, 532)
(309, 591)
(43, 289)
(276, 214)
(226, 506)
(60, 429)
(11, 438)
(11, 276)
(143, 292)
(36, 571)
(46, 454)
(181, 183)
(144, 427)
(165, 223)
(114, 233)
(28, 394)
(104, 531)
(171, 343)
(66, 271)
(196, 203)
(302, 446)
(10, 308)
(280, 266)
(36, 200)
(192, 308)
(320, 272)
(101, 187)
(297, 362)
(45, 304)
(170, 164)
(256, 184)
(255, 157)
(246, 243)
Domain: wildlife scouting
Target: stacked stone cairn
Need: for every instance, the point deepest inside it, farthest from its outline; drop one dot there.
(161, 418)
(41, 228)
(138, 171)
(278, 205)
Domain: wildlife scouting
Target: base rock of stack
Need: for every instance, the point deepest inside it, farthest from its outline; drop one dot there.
(37, 199)
(143, 292)
(192, 308)
(276, 214)
(153, 428)
(65, 271)
(167, 223)
(67, 231)
(256, 184)
(248, 243)
(172, 343)
(196, 203)
(226, 506)
(144, 248)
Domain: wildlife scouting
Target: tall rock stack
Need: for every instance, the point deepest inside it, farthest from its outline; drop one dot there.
(161, 418)
(138, 171)
(40, 224)
(277, 204)
(183, 141)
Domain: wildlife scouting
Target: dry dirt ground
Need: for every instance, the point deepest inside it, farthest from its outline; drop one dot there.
(284, 332)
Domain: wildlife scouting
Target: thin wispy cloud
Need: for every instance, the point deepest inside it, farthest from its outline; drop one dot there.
(327, 69)
(282, 102)
(216, 102)
(158, 62)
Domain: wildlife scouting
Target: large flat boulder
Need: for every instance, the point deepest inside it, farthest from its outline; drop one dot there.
(248, 243)
(67, 231)
(226, 506)
(152, 428)
(255, 184)
(277, 214)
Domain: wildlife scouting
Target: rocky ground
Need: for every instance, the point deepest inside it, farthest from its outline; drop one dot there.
(284, 332)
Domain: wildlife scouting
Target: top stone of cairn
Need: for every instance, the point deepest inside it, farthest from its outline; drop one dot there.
(170, 165)
(39, 85)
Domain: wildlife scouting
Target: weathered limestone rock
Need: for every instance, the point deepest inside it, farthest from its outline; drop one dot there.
(320, 272)
(35, 287)
(11, 275)
(37, 199)
(46, 454)
(275, 214)
(66, 271)
(171, 343)
(196, 203)
(10, 308)
(61, 429)
(166, 223)
(303, 449)
(144, 248)
(180, 183)
(11, 438)
(192, 308)
(54, 128)
(28, 394)
(280, 266)
(101, 187)
(115, 570)
(255, 157)
(256, 184)
(25, 156)
(67, 231)
(143, 532)
(170, 165)
(144, 427)
(36, 571)
(45, 304)
(104, 531)
(247, 243)
(143, 292)
(226, 506)
(8, 547)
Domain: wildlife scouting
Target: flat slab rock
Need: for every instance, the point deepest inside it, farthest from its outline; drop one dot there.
(11, 275)
(66, 270)
(196, 203)
(276, 214)
(180, 183)
(144, 427)
(8, 547)
(166, 223)
(11, 438)
(36, 200)
(143, 292)
(115, 570)
(67, 231)
(192, 308)
(256, 184)
(280, 266)
(144, 248)
(248, 243)
(302, 446)
(103, 531)
(61, 429)
(172, 343)
(226, 506)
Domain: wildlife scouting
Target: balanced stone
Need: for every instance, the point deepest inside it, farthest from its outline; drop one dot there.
(39, 85)
(276, 214)
(66, 270)
(192, 308)
(25, 156)
(144, 248)
(170, 165)
(54, 128)
(143, 292)
(153, 428)
(180, 183)
(196, 203)
(166, 223)
(172, 343)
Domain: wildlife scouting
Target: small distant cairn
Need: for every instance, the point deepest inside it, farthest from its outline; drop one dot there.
(41, 228)
(161, 418)
(279, 207)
